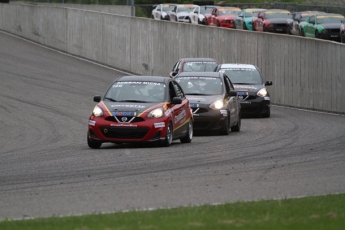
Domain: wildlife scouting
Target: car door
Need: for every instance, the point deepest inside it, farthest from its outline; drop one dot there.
(259, 21)
(213, 17)
(180, 111)
(173, 14)
(239, 20)
(233, 103)
(158, 12)
(194, 15)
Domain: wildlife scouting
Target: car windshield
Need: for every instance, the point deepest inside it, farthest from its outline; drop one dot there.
(226, 12)
(136, 91)
(201, 85)
(185, 9)
(328, 19)
(251, 13)
(168, 8)
(205, 10)
(243, 75)
(278, 15)
(199, 66)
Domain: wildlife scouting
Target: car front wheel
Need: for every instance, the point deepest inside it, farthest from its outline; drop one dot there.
(237, 127)
(188, 138)
(168, 137)
(93, 144)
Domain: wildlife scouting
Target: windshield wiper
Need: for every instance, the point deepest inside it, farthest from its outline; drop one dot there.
(133, 101)
(110, 99)
(196, 94)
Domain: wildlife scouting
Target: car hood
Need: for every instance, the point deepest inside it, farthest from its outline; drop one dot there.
(183, 14)
(129, 108)
(331, 25)
(227, 17)
(248, 88)
(280, 20)
(201, 99)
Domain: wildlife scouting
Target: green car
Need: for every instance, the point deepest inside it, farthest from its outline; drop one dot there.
(323, 26)
(244, 20)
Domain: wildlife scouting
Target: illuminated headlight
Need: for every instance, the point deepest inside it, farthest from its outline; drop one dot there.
(217, 104)
(97, 111)
(156, 113)
(324, 31)
(262, 92)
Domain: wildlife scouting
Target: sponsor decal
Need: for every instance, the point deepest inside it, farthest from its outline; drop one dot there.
(181, 116)
(194, 105)
(124, 113)
(244, 87)
(196, 98)
(168, 112)
(93, 123)
(123, 125)
(159, 125)
(267, 98)
(245, 102)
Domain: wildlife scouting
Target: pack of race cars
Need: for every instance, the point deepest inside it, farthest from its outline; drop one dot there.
(200, 95)
(314, 24)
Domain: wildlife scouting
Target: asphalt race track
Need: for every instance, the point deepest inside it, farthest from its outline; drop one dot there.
(46, 167)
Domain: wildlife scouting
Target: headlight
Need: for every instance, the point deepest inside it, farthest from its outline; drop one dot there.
(324, 31)
(271, 25)
(97, 111)
(156, 113)
(217, 104)
(262, 92)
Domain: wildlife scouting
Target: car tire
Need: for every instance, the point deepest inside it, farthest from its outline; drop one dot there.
(302, 33)
(317, 34)
(205, 22)
(244, 26)
(264, 28)
(93, 144)
(188, 138)
(226, 129)
(199, 22)
(237, 127)
(341, 39)
(190, 21)
(267, 114)
(168, 137)
(218, 24)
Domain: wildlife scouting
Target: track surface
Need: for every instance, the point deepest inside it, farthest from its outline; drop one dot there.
(47, 169)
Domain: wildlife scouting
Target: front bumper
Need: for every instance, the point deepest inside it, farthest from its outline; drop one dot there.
(209, 120)
(278, 28)
(124, 132)
(255, 106)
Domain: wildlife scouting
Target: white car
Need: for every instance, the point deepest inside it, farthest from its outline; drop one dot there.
(161, 12)
(197, 16)
(180, 13)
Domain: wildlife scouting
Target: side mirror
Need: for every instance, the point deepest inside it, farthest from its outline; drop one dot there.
(176, 100)
(97, 98)
(232, 93)
(173, 74)
(268, 83)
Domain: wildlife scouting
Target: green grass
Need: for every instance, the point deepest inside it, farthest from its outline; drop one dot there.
(322, 212)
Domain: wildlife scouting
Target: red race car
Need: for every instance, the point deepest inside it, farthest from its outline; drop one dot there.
(141, 109)
(223, 17)
(273, 20)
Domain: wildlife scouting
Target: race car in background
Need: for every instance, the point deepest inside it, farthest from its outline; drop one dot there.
(194, 65)
(180, 13)
(251, 88)
(297, 18)
(141, 109)
(322, 26)
(223, 17)
(244, 20)
(197, 16)
(273, 20)
(213, 100)
(161, 12)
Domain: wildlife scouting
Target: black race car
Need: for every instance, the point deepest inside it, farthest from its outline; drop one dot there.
(250, 87)
(213, 100)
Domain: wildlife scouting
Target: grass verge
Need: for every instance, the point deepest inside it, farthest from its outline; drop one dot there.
(319, 212)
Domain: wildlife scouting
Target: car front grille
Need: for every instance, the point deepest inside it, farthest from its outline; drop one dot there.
(124, 132)
(136, 119)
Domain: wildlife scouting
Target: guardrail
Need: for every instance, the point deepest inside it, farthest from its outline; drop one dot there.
(306, 73)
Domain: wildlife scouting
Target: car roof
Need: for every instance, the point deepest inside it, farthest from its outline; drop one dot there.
(198, 59)
(234, 65)
(142, 78)
(200, 74)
